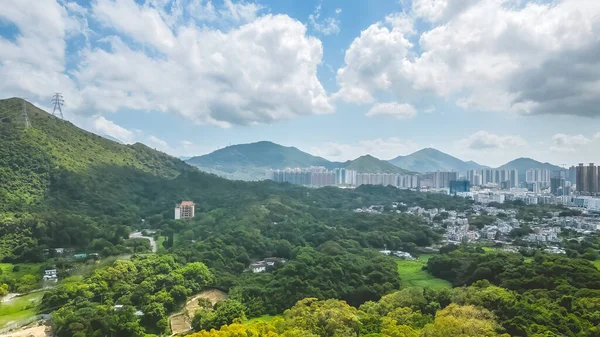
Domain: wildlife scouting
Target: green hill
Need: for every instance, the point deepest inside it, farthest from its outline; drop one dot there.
(31, 157)
(62, 186)
(370, 164)
(249, 161)
(524, 164)
(430, 160)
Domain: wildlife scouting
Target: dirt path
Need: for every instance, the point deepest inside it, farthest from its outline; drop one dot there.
(37, 331)
(139, 235)
(9, 297)
(182, 322)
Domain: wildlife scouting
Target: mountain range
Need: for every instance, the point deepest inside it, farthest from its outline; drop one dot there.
(431, 160)
(250, 161)
(524, 164)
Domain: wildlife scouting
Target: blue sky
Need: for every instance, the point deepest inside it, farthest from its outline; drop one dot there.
(484, 80)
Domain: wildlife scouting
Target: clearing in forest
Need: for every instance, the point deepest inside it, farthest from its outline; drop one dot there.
(411, 275)
(19, 308)
(36, 331)
(182, 322)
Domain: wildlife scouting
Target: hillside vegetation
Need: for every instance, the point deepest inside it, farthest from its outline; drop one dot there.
(370, 164)
(66, 187)
(59, 182)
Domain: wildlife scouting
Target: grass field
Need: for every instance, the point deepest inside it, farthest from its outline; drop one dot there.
(160, 249)
(24, 268)
(411, 274)
(20, 308)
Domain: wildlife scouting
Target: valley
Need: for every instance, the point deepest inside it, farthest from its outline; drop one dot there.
(101, 214)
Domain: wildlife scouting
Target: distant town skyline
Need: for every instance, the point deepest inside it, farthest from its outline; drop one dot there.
(481, 80)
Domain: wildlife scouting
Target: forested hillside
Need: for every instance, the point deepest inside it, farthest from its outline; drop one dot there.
(65, 187)
(370, 164)
(60, 184)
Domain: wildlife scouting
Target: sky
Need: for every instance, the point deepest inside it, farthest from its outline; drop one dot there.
(483, 80)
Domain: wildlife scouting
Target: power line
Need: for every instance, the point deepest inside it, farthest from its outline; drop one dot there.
(25, 116)
(58, 102)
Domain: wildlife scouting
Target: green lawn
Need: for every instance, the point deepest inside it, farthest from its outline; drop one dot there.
(411, 275)
(425, 257)
(20, 308)
(160, 249)
(24, 268)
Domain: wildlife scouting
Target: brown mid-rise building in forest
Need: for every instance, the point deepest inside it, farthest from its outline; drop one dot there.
(185, 210)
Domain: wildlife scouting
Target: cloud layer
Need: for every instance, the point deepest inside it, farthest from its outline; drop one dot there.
(382, 148)
(400, 111)
(157, 58)
(483, 140)
(485, 54)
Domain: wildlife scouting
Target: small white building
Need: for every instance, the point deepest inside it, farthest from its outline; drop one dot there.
(267, 263)
(258, 267)
(50, 275)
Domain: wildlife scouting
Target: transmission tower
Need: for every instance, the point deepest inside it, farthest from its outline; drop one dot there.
(25, 116)
(58, 102)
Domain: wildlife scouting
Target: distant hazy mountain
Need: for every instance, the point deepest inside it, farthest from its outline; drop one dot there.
(430, 160)
(370, 164)
(524, 164)
(249, 161)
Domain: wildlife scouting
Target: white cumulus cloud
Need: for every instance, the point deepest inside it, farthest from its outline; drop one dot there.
(104, 126)
(382, 148)
(393, 109)
(148, 57)
(500, 55)
(483, 140)
(561, 139)
(326, 26)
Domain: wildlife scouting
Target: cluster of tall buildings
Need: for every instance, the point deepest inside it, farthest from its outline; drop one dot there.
(587, 179)
(560, 186)
(312, 176)
(438, 179)
(539, 176)
(320, 176)
(504, 178)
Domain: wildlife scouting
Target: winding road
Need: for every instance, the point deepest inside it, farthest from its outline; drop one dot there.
(139, 235)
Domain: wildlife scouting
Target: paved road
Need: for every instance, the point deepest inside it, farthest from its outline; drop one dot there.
(139, 235)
